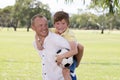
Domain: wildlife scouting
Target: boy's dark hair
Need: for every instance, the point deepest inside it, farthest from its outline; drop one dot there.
(60, 15)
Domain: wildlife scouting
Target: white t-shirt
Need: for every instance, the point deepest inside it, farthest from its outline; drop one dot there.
(50, 69)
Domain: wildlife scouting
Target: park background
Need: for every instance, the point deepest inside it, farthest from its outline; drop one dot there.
(99, 33)
(20, 61)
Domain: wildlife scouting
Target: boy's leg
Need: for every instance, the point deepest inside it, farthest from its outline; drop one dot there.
(80, 53)
(74, 77)
(66, 74)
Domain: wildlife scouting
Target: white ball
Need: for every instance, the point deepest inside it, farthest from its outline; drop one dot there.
(66, 62)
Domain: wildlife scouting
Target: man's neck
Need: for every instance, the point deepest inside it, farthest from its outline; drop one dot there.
(41, 38)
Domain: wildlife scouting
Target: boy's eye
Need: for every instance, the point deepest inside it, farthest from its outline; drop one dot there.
(63, 23)
(57, 23)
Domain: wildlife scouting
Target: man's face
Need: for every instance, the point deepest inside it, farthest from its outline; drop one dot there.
(40, 27)
(61, 26)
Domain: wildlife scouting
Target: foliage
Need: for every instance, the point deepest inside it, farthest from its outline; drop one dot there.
(112, 5)
(109, 8)
(85, 20)
(6, 16)
(20, 14)
(92, 21)
(27, 8)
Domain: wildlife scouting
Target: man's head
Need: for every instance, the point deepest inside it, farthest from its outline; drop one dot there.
(61, 21)
(40, 25)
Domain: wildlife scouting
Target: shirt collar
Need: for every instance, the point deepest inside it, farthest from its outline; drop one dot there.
(66, 32)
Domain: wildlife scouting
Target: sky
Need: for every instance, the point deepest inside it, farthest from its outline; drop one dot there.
(55, 5)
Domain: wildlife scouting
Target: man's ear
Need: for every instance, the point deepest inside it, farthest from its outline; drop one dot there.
(33, 28)
(53, 25)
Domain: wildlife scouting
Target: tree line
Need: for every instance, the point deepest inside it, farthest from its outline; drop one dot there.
(109, 19)
(92, 21)
(20, 15)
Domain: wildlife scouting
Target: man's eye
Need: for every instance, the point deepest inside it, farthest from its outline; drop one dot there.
(40, 25)
(46, 24)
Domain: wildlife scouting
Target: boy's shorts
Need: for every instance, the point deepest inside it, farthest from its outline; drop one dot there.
(72, 70)
(73, 66)
(73, 76)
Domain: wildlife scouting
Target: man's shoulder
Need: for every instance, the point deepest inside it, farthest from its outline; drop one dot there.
(53, 35)
(52, 30)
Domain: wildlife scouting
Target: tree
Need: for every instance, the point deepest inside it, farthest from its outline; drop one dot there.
(112, 5)
(21, 13)
(84, 21)
(5, 18)
(25, 9)
(109, 7)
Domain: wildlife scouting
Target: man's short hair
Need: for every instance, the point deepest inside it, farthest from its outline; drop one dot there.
(35, 16)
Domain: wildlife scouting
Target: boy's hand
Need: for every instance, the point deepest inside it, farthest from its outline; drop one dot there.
(59, 59)
(39, 46)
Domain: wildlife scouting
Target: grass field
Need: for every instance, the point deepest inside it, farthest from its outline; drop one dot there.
(20, 61)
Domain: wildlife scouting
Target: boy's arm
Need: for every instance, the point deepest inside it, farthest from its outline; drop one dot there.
(80, 54)
(71, 52)
(72, 42)
(38, 44)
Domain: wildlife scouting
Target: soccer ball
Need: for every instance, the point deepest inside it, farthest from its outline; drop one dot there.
(66, 62)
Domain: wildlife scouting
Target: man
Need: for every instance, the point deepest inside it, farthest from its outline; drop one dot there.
(49, 43)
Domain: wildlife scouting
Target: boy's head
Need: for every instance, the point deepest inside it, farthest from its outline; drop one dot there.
(60, 15)
(61, 22)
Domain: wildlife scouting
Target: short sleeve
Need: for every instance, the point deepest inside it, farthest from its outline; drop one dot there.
(61, 42)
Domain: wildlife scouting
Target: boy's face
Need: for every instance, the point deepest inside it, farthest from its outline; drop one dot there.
(61, 26)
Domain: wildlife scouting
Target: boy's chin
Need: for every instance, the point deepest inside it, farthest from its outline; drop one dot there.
(60, 32)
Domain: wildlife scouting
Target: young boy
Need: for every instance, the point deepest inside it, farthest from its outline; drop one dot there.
(61, 24)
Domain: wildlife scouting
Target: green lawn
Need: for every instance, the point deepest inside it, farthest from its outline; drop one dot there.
(20, 61)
